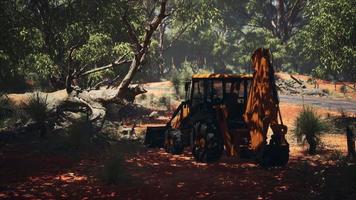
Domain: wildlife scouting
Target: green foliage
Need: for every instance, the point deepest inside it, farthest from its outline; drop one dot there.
(37, 108)
(208, 35)
(329, 38)
(308, 127)
(182, 75)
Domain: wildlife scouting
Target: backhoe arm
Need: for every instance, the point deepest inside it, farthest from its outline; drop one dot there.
(262, 107)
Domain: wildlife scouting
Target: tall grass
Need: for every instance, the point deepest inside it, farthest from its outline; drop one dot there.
(308, 127)
(37, 110)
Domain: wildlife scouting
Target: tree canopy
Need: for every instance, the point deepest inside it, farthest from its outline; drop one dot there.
(45, 40)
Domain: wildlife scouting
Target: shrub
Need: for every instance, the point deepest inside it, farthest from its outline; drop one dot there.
(4, 106)
(308, 127)
(164, 101)
(37, 110)
(343, 89)
(184, 74)
(114, 171)
(80, 134)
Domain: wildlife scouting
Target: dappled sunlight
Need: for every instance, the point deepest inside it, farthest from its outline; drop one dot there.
(71, 177)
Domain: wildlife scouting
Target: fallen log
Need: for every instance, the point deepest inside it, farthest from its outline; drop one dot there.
(296, 80)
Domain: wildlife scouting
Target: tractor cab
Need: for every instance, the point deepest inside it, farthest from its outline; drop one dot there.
(228, 90)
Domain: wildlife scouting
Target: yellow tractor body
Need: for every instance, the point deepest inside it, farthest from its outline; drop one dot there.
(228, 113)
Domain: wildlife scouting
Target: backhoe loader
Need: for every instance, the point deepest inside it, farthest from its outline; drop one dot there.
(228, 114)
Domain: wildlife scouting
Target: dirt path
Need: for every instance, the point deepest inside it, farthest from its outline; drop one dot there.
(164, 88)
(326, 103)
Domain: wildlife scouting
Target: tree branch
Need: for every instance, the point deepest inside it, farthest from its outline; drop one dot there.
(178, 35)
(115, 63)
(141, 53)
(132, 33)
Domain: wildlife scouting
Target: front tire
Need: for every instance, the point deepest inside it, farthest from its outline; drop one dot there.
(174, 141)
(207, 143)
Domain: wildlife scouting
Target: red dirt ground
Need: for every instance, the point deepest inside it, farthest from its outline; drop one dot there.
(154, 174)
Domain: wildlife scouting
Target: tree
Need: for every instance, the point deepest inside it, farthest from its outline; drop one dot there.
(281, 17)
(330, 38)
(116, 90)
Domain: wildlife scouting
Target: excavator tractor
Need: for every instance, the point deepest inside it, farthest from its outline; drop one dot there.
(228, 114)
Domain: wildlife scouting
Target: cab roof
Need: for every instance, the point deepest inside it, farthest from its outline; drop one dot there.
(222, 76)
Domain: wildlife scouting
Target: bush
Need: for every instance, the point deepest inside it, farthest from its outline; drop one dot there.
(114, 171)
(308, 127)
(164, 101)
(37, 110)
(4, 106)
(343, 89)
(80, 134)
(184, 74)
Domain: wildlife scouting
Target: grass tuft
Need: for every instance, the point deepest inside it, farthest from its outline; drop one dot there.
(308, 127)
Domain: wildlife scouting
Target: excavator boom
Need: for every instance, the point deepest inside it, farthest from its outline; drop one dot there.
(262, 109)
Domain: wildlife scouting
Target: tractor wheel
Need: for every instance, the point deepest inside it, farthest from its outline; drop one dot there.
(173, 141)
(207, 146)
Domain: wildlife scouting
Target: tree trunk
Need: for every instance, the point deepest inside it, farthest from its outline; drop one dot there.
(162, 28)
(350, 135)
(282, 25)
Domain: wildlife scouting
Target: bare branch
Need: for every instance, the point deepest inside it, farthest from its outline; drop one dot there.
(115, 63)
(131, 31)
(178, 35)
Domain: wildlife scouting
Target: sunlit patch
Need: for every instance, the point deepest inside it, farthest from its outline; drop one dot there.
(198, 164)
(281, 188)
(248, 165)
(2, 195)
(71, 177)
(202, 194)
(180, 184)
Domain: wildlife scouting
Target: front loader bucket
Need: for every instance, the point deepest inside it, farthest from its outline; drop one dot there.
(155, 136)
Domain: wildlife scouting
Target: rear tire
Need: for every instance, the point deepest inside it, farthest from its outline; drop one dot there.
(174, 142)
(207, 146)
